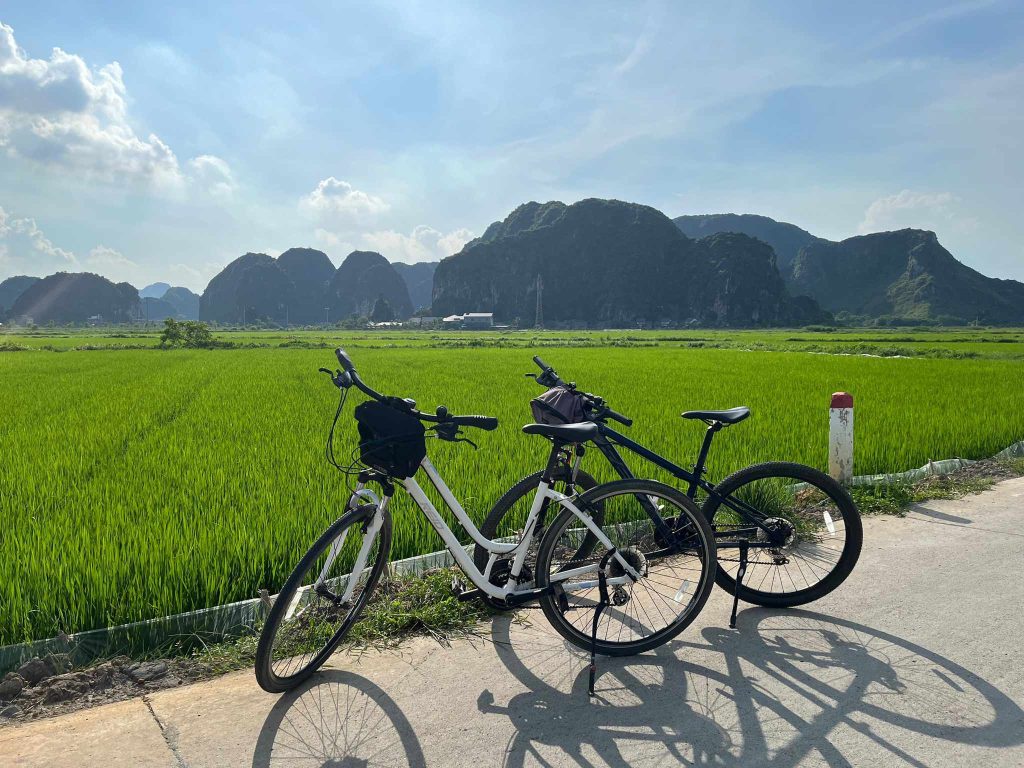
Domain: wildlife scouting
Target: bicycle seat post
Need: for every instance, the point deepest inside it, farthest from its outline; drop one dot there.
(702, 456)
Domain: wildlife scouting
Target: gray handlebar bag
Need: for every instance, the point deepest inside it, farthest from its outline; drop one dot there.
(559, 405)
(390, 440)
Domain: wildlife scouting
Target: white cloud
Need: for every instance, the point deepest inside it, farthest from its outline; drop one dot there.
(326, 237)
(64, 115)
(334, 198)
(60, 112)
(919, 210)
(112, 264)
(213, 175)
(424, 244)
(24, 249)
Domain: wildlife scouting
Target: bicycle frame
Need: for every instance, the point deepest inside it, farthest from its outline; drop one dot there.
(608, 438)
(496, 548)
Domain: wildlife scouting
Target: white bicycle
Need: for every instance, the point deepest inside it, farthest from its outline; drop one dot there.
(617, 588)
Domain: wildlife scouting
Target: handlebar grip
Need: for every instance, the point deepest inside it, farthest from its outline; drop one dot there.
(344, 360)
(488, 423)
(541, 364)
(619, 417)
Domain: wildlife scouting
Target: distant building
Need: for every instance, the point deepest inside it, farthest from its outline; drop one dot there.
(422, 321)
(95, 320)
(470, 321)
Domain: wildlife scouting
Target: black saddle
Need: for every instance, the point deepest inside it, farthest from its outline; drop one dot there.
(731, 416)
(564, 433)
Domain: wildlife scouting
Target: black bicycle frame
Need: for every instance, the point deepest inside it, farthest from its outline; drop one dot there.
(608, 438)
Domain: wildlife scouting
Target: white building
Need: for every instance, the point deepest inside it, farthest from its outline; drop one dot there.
(478, 320)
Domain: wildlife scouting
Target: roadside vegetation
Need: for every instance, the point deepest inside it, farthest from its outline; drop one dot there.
(897, 498)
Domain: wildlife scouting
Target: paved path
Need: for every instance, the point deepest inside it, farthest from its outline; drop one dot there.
(915, 661)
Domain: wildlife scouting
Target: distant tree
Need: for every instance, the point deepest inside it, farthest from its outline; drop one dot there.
(173, 334)
(197, 335)
(191, 334)
(382, 312)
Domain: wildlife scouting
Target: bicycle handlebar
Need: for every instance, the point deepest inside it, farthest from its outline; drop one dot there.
(344, 360)
(349, 377)
(488, 423)
(616, 416)
(549, 378)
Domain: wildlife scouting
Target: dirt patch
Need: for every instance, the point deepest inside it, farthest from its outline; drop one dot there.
(986, 469)
(48, 686)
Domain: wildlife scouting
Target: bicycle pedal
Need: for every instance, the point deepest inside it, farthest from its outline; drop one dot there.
(458, 586)
(468, 595)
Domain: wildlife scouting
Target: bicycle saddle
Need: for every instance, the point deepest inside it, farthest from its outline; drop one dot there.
(731, 416)
(564, 433)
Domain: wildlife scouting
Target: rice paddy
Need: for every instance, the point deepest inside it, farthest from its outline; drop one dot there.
(137, 483)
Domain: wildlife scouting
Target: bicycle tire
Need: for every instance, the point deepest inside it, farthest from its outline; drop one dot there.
(788, 471)
(268, 679)
(701, 536)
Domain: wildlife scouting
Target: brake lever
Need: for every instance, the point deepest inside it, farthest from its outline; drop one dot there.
(450, 433)
(340, 379)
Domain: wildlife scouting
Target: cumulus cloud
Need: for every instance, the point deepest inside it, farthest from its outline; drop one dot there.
(423, 244)
(25, 249)
(112, 264)
(212, 175)
(61, 113)
(919, 210)
(334, 198)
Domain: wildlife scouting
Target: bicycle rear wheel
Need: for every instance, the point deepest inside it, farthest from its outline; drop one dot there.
(814, 517)
(309, 618)
(675, 577)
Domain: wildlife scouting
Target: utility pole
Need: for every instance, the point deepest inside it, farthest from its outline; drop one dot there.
(327, 315)
(539, 322)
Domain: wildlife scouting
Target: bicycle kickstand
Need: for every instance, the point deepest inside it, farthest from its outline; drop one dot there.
(604, 602)
(740, 572)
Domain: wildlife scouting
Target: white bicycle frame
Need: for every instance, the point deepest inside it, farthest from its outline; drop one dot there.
(495, 548)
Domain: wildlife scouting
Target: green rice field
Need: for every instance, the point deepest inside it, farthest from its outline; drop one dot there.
(141, 482)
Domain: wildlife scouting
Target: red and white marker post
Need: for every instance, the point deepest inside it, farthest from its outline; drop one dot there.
(840, 437)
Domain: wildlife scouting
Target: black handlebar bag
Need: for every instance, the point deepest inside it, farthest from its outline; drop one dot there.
(390, 440)
(559, 405)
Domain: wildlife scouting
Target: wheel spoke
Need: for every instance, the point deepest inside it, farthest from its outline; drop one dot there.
(673, 583)
(803, 517)
(308, 618)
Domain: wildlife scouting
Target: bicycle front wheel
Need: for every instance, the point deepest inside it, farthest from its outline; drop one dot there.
(676, 575)
(316, 607)
(810, 515)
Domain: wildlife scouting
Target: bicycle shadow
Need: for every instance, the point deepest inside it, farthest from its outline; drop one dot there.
(337, 720)
(787, 688)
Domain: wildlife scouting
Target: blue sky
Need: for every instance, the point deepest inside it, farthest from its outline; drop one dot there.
(149, 142)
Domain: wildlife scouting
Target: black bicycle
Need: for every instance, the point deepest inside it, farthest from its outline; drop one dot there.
(786, 534)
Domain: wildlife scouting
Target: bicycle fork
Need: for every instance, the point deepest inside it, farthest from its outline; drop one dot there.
(372, 522)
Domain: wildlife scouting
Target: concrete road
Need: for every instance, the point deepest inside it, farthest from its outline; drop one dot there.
(915, 661)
